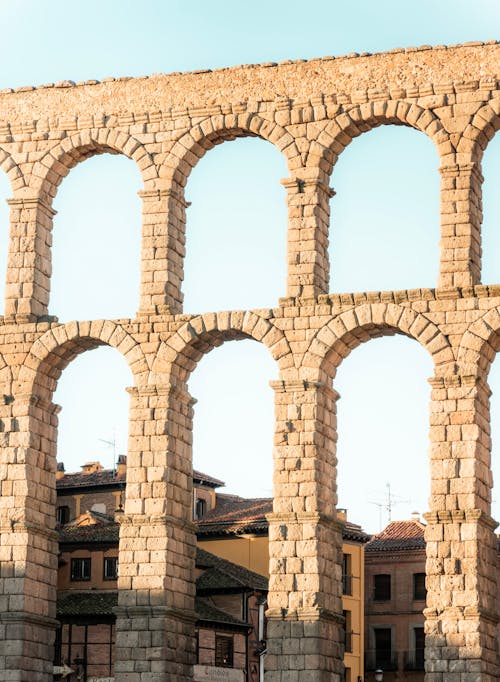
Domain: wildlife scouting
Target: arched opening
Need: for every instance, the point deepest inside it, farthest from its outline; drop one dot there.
(236, 231)
(96, 243)
(490, 231)
(232, 492)
(5, 193)
(384, 227)
(90, 493)
(384, 483)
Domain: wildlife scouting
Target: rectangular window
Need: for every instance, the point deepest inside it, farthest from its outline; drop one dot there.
(382, 587)
(383, 648)
(62, 515)
(223, 651)
(110, 568)
(347, 632)
(347, 574)
(419, 636)
(80, 569)
(419, 590)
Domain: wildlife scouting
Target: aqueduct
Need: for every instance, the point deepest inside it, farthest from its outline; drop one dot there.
(310, 111)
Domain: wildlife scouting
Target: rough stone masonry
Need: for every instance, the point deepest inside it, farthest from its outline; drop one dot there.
(310, 111)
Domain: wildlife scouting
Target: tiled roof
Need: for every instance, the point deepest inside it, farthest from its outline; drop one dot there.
(86, 603)
(71, 604)
(105, 477)
(109, 477)
(103, 529)
(397, 536)
(221, 575)
(237, 515)
(233, 514)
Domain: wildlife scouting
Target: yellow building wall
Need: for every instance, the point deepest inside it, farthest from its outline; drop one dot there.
(253, 553)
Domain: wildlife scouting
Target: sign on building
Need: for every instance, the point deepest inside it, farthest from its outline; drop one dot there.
(209, 673)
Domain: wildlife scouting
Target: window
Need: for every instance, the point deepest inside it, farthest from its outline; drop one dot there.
(419, 638)
(223, 651)
(419, 590)
(201, 508)
(347, 632)
(383, 648)
(62, 515)
(347, 574)
(382, 587)
(110, 568)
(80, 569)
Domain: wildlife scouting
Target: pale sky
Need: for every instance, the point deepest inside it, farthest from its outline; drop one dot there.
(384, 231)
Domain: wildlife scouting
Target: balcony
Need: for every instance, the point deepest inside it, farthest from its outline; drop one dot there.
(381, 658)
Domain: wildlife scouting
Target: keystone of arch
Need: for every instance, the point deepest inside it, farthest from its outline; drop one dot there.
(49, 171)
(55, 349)
(343, 333)
(189, 149)
(480, 344)
(182, 351)
(347, 125)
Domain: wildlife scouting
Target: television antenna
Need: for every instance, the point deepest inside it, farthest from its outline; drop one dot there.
(388, 503)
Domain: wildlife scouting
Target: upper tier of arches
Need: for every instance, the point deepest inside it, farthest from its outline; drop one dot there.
(310, 138)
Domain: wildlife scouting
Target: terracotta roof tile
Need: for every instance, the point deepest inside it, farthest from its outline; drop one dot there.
(398, 535)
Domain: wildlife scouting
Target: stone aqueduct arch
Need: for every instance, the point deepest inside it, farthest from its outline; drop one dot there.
(310, 111)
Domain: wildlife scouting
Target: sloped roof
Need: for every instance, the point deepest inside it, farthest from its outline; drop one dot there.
(88, 603)
(398, 536)
(237, 515)
(90, 527)
(221, 575)
(234, 514)
(109, 477)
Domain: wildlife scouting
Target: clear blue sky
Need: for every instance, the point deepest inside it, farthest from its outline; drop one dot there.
(236, 229)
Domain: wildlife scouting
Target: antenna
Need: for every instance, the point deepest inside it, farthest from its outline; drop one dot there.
(388, 504)
(112, 444)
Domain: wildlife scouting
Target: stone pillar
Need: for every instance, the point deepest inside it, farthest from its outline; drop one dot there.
(462, 612)
(305, 542)
(155, 638)
(163, 250)
(461, 217)
(308, 224)
(29, 265)
(29, 543)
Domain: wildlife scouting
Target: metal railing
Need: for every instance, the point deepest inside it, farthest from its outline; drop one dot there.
(385, 659)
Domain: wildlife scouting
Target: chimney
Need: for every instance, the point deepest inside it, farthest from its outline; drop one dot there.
(59, 471)
(91, 467)
(121, 465)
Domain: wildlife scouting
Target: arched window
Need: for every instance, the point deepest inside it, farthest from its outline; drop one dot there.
(236, 228)
(384, 218)
(96, 245)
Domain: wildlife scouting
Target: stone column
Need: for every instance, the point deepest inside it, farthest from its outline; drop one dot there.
(461, 217)
(305, 541)
(155, 638)
(29, 265)
(308, 223)
(29, 543)
(163, 250)
(462, 612)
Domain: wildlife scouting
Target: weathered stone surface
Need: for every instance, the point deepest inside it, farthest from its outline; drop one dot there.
(165, 124)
